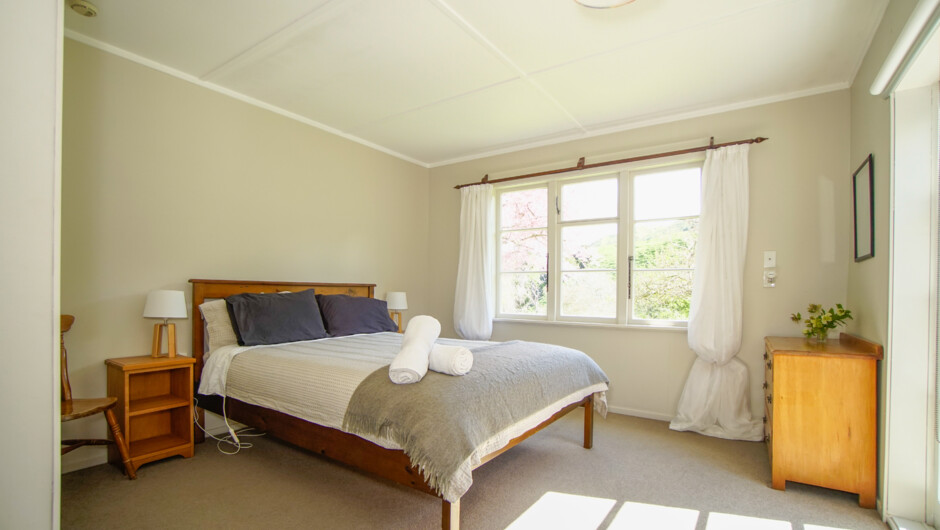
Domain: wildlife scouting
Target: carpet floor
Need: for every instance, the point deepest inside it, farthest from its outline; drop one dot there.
(638, 475)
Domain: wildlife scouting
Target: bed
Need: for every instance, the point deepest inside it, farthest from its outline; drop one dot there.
(373, 454)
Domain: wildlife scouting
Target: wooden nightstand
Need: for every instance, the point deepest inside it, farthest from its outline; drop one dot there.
(154, 407)
(821, 406)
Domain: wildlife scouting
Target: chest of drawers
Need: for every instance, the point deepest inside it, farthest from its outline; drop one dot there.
(820, 403)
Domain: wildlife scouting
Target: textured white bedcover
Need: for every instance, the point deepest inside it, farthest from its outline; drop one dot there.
(314, 380)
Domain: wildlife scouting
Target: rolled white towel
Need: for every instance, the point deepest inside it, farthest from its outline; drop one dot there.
(450, 360)
(411, 363)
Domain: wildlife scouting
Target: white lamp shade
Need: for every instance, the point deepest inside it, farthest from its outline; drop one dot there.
(165, 304)
(397, 301)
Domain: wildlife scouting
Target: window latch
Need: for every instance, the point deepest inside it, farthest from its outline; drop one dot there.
(630, 278)
(557, 206)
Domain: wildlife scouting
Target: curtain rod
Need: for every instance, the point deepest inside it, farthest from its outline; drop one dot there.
(581, 165)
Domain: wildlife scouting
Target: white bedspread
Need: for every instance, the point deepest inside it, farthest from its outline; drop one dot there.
(314, 380)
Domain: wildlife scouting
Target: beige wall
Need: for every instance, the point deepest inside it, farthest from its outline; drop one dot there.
(871, 133)
(868, 281)
(800, 206)
(29, 215)
(164, 181)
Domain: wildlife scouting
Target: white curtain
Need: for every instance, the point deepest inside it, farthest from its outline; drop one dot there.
(474, 298)
(715, 400)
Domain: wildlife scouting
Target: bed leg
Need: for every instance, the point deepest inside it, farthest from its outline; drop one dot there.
(450, 515)
(589, 422)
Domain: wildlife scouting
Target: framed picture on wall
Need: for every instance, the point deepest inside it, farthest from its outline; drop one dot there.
(863, 183)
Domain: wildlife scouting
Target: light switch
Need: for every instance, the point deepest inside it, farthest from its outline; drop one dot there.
(770, 259)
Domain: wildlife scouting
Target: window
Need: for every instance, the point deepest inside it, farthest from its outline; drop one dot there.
(523, 249)
(620, 246)
(666, 206)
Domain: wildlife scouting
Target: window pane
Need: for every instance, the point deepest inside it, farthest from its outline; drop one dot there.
(662, 295)
(595, 199)
(589, 247)
(674, 193)
(524, 250)
(665, 244)
(589, 294)
(523, 293)
(524, 209)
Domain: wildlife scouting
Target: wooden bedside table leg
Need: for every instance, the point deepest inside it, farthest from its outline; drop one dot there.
(120, 443)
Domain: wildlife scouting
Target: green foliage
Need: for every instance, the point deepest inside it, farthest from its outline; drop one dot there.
(665, 244)
(663, 295)
(819, 321)
(525, 294)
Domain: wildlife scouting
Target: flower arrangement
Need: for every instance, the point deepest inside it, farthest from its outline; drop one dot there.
(819, 321)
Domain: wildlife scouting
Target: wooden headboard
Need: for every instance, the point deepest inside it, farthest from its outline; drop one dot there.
(213, 289)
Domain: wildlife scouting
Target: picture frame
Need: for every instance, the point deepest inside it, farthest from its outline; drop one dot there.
(863, 183)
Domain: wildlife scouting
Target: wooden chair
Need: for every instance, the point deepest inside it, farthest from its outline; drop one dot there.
(73, 409)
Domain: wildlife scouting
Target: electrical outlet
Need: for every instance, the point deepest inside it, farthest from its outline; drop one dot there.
(770, 278)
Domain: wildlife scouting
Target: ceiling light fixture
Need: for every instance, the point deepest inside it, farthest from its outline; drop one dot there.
(83, 8)
(603, 4)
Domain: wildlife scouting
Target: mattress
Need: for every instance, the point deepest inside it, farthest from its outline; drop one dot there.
(315, 380)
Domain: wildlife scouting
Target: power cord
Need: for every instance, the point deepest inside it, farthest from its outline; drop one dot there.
(231, 438)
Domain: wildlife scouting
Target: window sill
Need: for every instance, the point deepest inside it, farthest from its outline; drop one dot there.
(589, 324)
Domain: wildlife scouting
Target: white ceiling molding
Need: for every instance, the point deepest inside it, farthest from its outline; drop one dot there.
(449, 11)
(143, 61)
(434, 82)
(650, 122)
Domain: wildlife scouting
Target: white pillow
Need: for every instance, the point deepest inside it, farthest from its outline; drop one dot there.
(219, 330)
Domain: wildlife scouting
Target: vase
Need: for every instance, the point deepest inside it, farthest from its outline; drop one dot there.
(819, 338)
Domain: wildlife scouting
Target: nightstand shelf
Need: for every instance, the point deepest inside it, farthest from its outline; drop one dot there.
(155, 406)
(170, 444)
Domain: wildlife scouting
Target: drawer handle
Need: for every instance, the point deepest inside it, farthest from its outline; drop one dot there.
(766, 356)
(765, 419)
(770, 399)
(765, 385)
(770, 365)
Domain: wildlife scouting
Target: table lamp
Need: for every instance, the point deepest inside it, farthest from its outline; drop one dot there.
(397, 302)
(165, 305)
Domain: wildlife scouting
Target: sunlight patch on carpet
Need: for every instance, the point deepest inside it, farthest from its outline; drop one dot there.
(562, 510)
(640, 515)
(729, 521)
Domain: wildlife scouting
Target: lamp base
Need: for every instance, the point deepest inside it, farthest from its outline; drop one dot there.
(158, 339)
(396, 315)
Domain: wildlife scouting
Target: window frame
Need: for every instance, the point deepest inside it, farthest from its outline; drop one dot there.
(632, 224)
(499, 250)
(624, 173)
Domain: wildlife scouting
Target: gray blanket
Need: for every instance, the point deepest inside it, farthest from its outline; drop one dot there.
(440, 421)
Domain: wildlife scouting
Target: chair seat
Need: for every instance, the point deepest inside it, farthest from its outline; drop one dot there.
(79, 408)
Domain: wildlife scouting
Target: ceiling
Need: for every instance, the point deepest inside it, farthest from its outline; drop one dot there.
(440, 81)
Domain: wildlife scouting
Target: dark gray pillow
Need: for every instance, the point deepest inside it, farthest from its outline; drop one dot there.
(275, 318)
(348, 315)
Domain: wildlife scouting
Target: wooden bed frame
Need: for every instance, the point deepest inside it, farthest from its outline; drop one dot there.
(337, 445)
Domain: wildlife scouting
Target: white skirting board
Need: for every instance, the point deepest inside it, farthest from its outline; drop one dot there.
(641, 413)
(900, 523)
